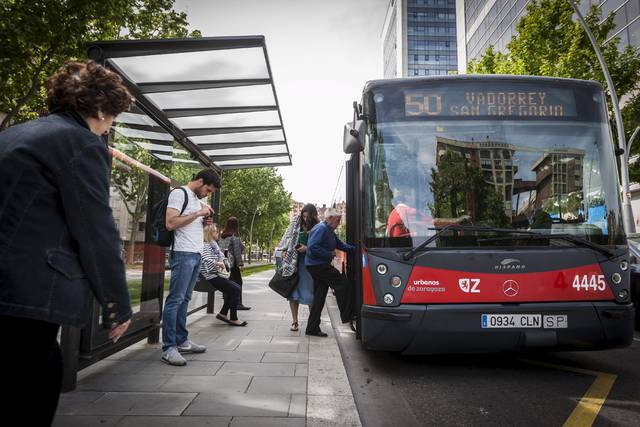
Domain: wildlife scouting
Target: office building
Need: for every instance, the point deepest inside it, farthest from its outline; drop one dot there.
(419, 38)
(484, 23)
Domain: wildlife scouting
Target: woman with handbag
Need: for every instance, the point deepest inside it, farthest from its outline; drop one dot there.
(215, 268)
(233, 248)
(293, 246)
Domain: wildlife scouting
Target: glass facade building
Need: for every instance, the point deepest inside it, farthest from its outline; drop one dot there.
(419, 38)
(482, 23)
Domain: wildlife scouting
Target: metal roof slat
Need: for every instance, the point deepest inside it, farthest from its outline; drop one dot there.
(247, 156)
(173, 113)
(253, 165)
(223, 145)
(179, 86)
(219, 131)
(101, 50)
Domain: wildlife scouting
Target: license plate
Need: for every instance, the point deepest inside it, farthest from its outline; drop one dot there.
(511, 320)
(555, 321)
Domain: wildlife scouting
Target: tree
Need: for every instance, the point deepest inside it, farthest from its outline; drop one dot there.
(38, 36)
(551, 43)
(132, 185)
(258, 199)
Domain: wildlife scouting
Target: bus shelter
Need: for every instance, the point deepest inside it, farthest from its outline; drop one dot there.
(200, 103)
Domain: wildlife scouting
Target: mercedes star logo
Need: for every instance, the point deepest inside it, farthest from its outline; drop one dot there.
(510, 288)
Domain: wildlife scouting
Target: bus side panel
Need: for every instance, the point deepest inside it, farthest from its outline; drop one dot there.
(390, 328)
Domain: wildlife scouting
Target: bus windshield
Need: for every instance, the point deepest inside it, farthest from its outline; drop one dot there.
(523, 155)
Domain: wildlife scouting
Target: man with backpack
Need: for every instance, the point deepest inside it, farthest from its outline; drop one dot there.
(185, 217)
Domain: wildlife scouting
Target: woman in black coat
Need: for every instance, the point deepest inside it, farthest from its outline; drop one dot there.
(59, 245)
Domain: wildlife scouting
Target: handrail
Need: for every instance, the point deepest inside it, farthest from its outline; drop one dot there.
(133, 162)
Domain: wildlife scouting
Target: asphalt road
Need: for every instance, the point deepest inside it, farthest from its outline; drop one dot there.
(524, 389)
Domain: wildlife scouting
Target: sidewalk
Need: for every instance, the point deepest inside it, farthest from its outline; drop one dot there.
(259, 375)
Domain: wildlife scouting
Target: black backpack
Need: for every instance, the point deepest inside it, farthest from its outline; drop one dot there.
(159, 233)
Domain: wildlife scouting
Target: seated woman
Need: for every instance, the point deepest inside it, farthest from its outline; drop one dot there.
(210, 267)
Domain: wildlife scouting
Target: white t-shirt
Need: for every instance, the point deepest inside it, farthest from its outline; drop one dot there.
(190, 237)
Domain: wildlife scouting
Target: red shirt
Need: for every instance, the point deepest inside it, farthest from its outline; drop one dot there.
(402, 218)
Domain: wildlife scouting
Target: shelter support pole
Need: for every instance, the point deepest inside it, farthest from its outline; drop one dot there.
(627, 213)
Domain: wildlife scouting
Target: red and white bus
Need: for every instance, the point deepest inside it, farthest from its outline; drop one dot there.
(487, 216)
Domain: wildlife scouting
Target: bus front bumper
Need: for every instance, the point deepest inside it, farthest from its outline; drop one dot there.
(458, 328)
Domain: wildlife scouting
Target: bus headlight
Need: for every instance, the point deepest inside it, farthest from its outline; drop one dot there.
(624, 265)
(388, 299)
(381, 269)
(396, 281)
(616, 278)
(623, 294)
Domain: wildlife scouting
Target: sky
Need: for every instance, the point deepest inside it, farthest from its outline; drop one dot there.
(322, 52)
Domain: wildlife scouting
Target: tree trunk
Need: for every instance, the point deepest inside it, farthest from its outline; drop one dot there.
(251, 234)
(132, 241)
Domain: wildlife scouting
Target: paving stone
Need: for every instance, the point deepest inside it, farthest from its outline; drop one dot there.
(69, 403)
(125, 403)
(302, 370)
(287, 347)
(207, 384)
(86, 420)
(270, 357)
(298, 406)
(228, 356)
(139, 421)
(267, 422)
(325, 411)
(294, 340)
(193, 367)
(279, 385)
(240, 404)
(123, 382)
(258, 369)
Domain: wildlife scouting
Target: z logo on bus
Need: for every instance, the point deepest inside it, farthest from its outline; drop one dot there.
(469, 285)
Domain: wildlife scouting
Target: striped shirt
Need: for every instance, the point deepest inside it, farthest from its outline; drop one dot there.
(211, 254)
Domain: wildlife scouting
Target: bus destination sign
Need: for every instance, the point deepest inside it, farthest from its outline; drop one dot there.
(450, 102)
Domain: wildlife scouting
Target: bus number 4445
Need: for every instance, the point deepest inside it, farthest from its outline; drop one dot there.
(586, 282)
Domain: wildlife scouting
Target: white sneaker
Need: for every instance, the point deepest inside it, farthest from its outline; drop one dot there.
(173, 357)
(190, 347)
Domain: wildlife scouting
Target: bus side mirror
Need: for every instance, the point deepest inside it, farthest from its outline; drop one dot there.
(353, 140)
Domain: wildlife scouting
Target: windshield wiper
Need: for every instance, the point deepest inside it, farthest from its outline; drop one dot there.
(423, 246)
(579, 241)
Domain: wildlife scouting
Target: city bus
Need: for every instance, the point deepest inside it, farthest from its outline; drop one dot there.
(486, 215)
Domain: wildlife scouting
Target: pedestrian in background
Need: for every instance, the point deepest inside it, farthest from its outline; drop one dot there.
(184, 261)
(321, 247)
(232, 246)
(211, 268)
(294, 248)
(59, 242)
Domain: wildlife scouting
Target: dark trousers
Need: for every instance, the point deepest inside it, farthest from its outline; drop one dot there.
(235, 276)
(231, 294)
(325, 276)
(31, 370)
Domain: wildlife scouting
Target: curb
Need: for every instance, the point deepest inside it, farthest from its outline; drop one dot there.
(330, 400)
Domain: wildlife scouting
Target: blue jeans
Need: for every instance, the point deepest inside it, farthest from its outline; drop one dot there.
(185, 267)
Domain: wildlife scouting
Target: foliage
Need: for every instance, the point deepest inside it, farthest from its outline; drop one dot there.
(38, 36)
(551, 43)
(258, 199)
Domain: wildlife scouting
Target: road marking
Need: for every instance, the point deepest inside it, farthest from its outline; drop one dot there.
(590, 404)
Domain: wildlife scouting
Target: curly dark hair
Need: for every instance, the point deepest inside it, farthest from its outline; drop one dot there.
(312, 219)
(231, 228)
(87, 87)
